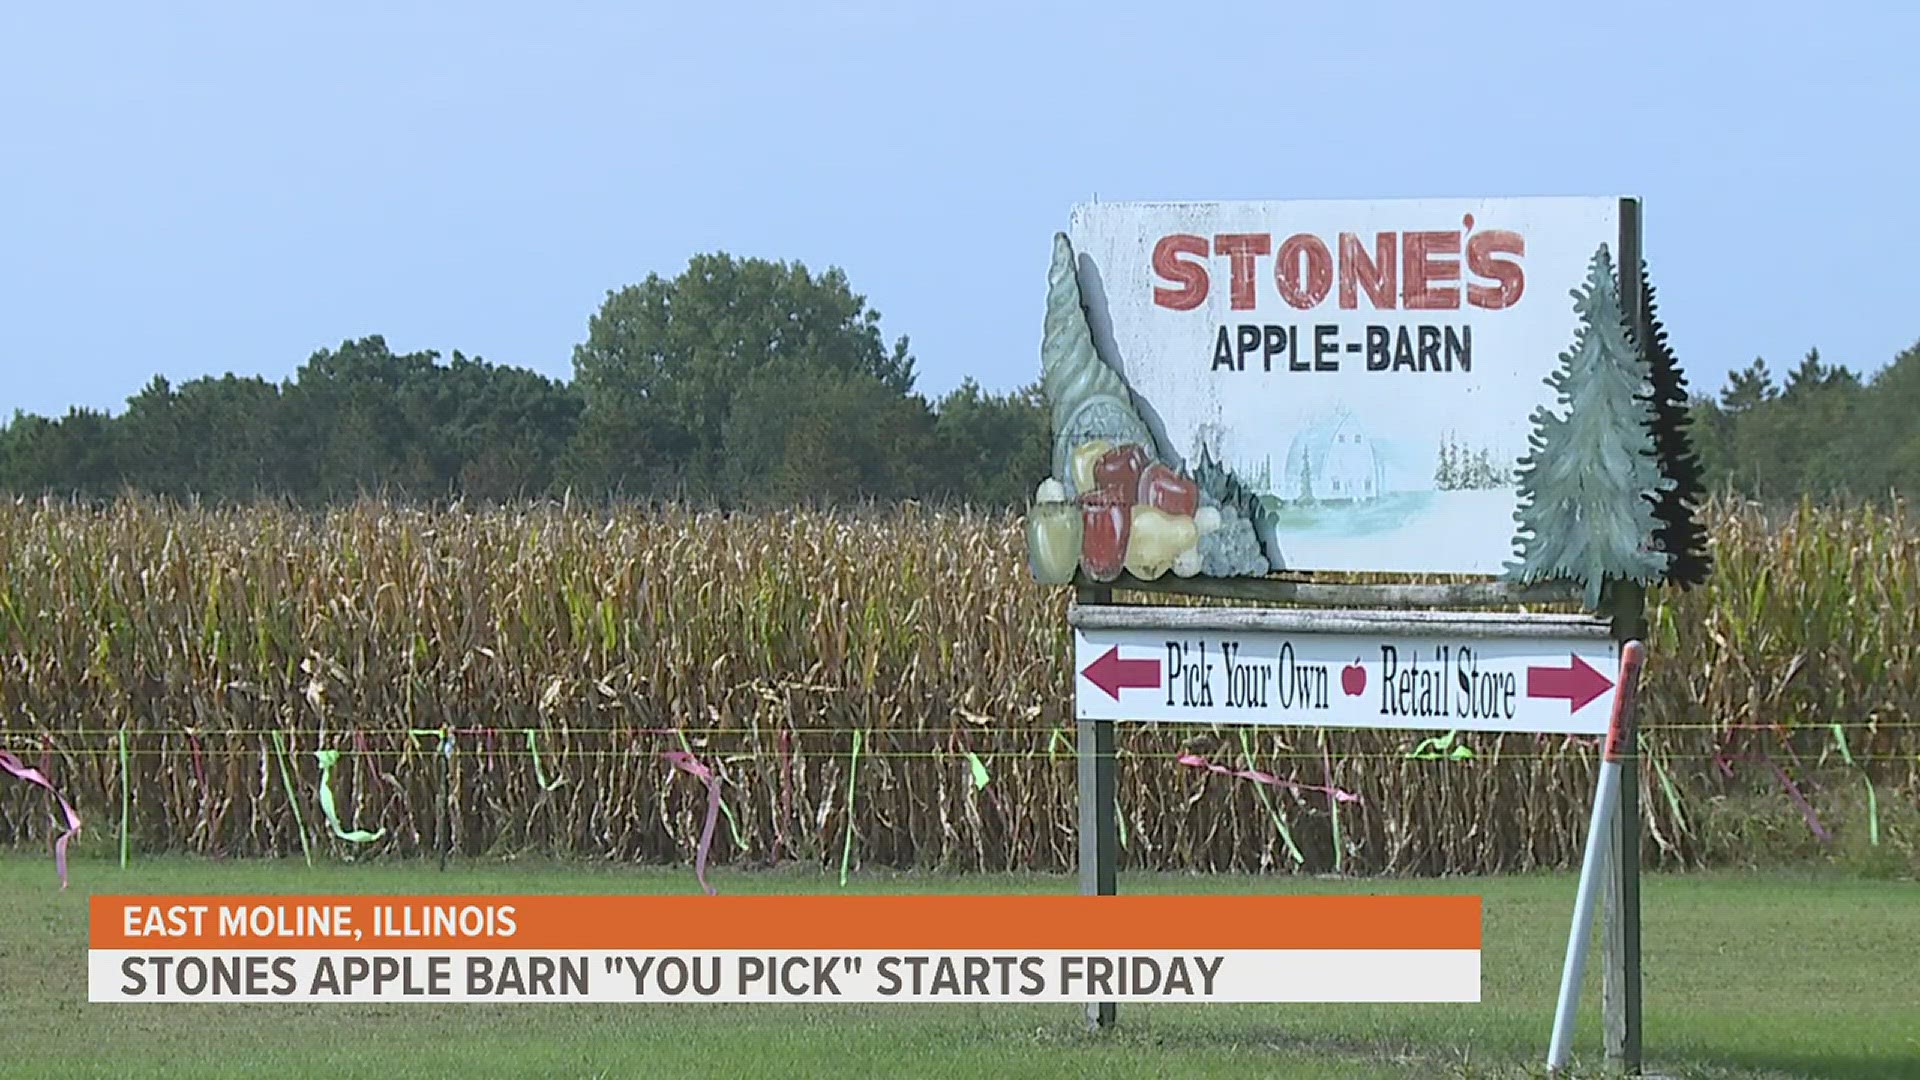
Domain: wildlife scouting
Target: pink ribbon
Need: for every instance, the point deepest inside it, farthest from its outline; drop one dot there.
(690, 765)
(1195, 761)
(31, 775)
(1724, 763)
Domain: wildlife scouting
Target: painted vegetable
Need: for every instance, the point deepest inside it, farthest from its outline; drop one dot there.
(1188, 564)
(1053, 541)
(1156, 539)
(1168, 491)
(1106, 531)
(1117, 473)
(1084, 457)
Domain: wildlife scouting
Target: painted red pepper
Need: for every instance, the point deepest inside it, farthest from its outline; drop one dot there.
(1117, 473)
(1107, 525)
(1168, 492)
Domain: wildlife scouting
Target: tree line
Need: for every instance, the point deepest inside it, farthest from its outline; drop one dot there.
(739, 382)
(752, 382)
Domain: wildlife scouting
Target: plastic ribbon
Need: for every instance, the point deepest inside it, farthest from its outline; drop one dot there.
(328, 759)
(687, 763)
(980, 776)
(1195, 761)
(1333, 807)
(733, 824)
(126, 798)
(15, 767)
(1873, 801)
(293, 800)
(1434, 748)
(540, 774)
(1279, 823)
(1055, 738)
(1799, 800)
(1724, 763)
(846, 848)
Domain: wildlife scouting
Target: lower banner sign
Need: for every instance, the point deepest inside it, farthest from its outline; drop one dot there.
(1409, 674)
(772, 949)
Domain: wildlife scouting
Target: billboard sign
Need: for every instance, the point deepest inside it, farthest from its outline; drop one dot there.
(1402, 386)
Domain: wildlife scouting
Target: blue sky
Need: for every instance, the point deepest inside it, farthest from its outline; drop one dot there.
(193, 189)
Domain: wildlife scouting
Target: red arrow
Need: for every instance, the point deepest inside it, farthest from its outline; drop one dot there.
(1112, 674)
(1579, 683)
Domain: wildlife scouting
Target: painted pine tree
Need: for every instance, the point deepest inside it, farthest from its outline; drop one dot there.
(1680, 534)
(1587, 484)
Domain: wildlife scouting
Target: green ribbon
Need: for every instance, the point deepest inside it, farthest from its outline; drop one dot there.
(979, 767)
(126, 798)
(328, 759)
(1333, 805)
(1873, 801)
(540, 774)
(1279, 823)
(1435, 749)
(293, 800)
(1056, 738)
(1673, 797)
(846, 849)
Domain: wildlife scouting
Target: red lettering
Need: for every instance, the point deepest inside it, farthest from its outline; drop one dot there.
(1303, 290)
(1376, 275)
(1419, 271)
(1242, 249)
(1191, 276)
(1481, 249)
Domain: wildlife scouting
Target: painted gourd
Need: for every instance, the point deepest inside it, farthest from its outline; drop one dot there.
(1156, 539)
(1053, 542)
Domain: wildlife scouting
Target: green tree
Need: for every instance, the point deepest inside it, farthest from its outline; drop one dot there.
(1586, 486)
(1748, 387)
(665, 360)
(809, 436)
(1885, 429)
(990, 449)
(77, 455)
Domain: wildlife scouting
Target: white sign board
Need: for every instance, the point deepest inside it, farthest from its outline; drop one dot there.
(1310, 679)
(1369, 369)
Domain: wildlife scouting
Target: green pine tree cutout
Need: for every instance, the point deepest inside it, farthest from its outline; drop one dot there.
(1588, 483)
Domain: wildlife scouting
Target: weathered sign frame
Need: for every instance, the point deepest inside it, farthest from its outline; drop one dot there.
(1303, 601)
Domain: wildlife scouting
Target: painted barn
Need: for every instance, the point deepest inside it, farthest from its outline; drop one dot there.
(1333, 461)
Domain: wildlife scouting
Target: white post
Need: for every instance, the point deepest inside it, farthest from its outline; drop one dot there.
(1593, 864)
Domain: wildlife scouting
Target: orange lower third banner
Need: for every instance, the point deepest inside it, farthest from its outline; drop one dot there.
(784, 948)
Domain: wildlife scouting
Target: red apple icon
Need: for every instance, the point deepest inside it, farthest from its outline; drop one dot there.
(1353, 679)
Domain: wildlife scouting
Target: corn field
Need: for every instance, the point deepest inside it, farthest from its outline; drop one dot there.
(880, 689)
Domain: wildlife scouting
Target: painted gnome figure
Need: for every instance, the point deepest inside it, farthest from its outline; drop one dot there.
(1588, 485)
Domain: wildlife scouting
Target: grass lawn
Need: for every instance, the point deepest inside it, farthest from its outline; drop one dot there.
(1747, 975)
